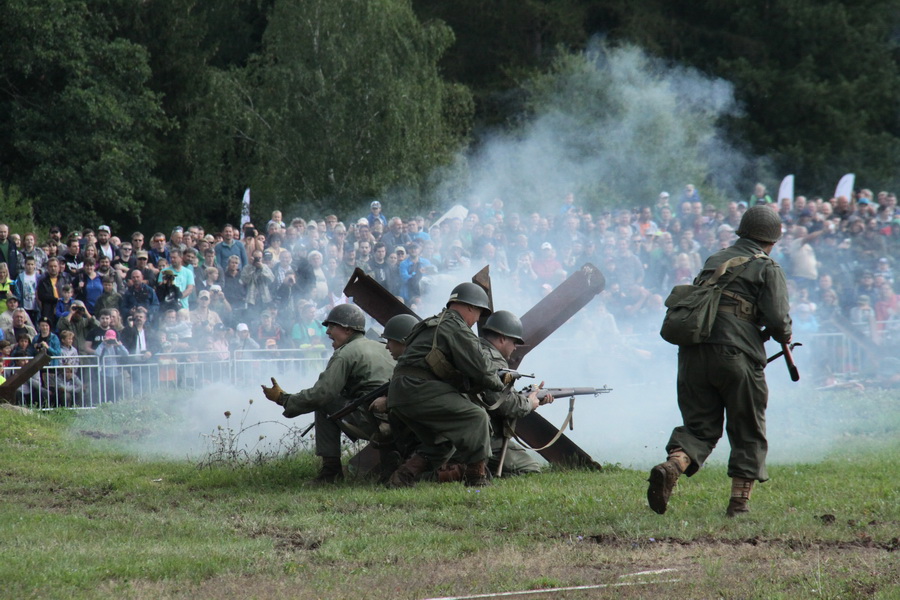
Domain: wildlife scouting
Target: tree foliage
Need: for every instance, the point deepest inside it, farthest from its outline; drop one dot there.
(344, 102)
(76, 117)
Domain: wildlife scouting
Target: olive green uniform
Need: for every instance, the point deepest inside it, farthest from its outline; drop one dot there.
(721, 381)
(509, 406)
(355, 369)
(436, 408)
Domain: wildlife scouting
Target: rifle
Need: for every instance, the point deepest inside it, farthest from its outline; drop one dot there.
(365, 399)
(566, 392)
(788, 358)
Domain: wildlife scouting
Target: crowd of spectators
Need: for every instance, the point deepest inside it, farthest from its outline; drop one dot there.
(100, 292)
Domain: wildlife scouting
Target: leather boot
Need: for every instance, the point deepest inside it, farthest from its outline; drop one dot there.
(409, 472)
(331, 472)
(450, 472)
(476, 474)
(663, 478)
(740, 496)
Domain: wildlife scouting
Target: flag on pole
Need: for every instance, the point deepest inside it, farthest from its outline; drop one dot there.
(245, 210)
(845, 186)
(786, 190)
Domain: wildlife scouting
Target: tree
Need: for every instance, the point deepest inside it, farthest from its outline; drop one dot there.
(344, 102)
(76, 120)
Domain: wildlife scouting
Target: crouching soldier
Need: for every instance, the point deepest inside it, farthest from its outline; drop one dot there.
(501, 333)
(443, 362)
(357, 367)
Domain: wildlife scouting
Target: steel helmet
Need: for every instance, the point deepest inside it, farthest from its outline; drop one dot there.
(760, 223)
(505, 323)
(398, 327)
(347, 315)
(471, 294)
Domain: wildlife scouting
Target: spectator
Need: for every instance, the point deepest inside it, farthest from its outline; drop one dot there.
(8, 253)
(257, 279)
(140, 294)
(19, 325)
(375, 214)
(112, 355)
(183, 277)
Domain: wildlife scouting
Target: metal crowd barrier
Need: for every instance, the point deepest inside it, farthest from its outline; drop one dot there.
(86, 382)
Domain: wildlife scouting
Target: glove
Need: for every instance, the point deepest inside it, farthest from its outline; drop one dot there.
(274, 393)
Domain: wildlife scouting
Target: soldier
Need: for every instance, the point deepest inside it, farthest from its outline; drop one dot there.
(357, 367)
(501, 333)
(395, 332)
(722, 379)
(443, 362)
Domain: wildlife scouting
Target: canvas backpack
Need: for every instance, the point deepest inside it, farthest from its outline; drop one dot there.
(691, 308)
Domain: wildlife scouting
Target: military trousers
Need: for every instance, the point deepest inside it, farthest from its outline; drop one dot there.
(362, 425)
(721, 386)
(448, 425)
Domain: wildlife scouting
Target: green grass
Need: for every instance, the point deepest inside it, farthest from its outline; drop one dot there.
(85, 518)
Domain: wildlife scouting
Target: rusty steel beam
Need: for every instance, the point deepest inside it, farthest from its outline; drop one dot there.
(554, 310)
(9, 387)
(483, 279)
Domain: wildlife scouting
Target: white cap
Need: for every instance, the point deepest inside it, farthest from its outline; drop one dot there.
(242, 327)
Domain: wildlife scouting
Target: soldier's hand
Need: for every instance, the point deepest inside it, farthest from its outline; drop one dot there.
(508, 378)
(274, 393)
(546, 398)
(379, 405)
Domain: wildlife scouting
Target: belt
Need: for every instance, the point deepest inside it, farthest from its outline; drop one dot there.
(739, 311)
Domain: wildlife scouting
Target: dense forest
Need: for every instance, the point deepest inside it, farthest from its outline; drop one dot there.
(160, 111)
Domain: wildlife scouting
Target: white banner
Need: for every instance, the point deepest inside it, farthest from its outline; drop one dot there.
(786, 190)
(845, 186)
(245, 210)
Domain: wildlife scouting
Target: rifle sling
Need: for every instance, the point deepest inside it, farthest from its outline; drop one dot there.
(566, 423)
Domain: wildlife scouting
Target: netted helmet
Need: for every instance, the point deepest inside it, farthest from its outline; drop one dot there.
(347, 315)
(760, 223)
(472, 294)
(505, 323)
(398, 327)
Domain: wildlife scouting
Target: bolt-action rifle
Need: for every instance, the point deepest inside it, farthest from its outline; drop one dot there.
(363, 400)
(566, 392)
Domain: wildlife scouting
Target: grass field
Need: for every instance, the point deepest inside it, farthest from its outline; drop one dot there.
(82, 515)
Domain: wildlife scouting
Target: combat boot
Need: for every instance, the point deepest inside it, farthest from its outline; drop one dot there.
(331, 472)
(409, 472)
(663, 478)
(476, 474)
(740, 496)
(450, 472)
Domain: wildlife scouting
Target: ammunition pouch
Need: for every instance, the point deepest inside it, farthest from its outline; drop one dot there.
(744, 309)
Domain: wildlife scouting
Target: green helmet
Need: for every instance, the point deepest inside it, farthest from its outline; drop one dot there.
(398, 327)
(347, 315)
(760, 223)
(471, 294)
(505, 323)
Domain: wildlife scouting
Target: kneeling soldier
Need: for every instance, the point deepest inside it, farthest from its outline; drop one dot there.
(357, 367)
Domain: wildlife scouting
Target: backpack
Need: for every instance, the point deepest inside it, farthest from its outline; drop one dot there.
(691, 309)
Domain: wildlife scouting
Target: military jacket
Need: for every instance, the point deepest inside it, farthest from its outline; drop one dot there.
(459, 344)
(510, 404)
(763, 284)
(355, 369)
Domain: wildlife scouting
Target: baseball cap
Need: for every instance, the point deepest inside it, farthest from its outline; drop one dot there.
(104, 228)
(242, 327)
(271, 343)
(110, 334)
(546, 246)
(375, 204)
(362, 221)
(664, 194)
(141, 254)
(204, 294)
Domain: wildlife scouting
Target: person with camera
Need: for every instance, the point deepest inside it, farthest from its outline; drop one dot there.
(168, 293)
(257, 279)
(80, 322)
(45, 340)
(181, 276)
